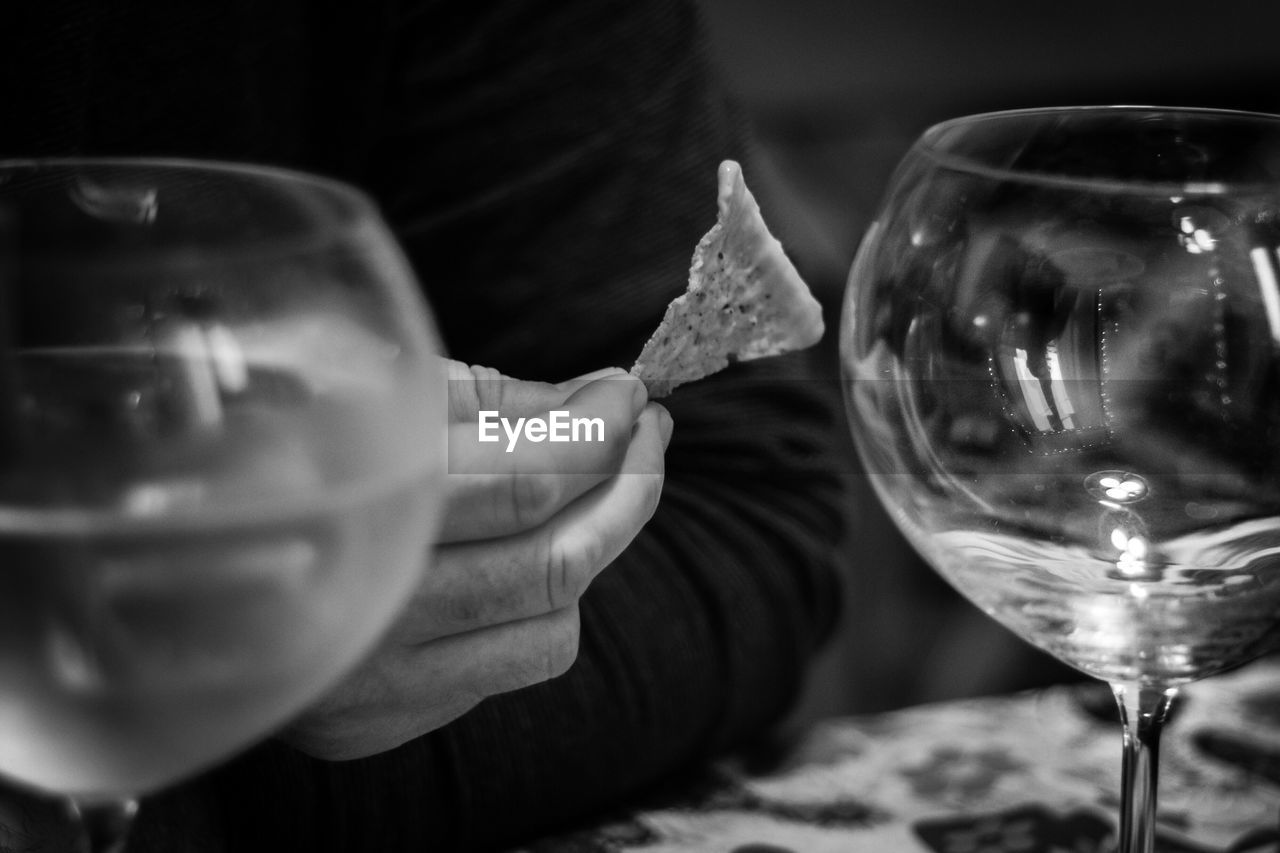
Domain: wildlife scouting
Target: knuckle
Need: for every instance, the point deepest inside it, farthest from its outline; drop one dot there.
(438, 607)
(561, 648)
(489, 385)
(653, 494)
(547, 655)
(534, 497)
(572, 559)
(617, 441)
(458, 610)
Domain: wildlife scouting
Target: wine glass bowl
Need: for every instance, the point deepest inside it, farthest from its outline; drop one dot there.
(221, 439)
(1059, 346)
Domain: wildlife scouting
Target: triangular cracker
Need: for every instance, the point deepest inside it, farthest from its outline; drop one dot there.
(745, 299)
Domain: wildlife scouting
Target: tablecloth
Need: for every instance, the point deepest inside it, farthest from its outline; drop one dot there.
(1037, 771)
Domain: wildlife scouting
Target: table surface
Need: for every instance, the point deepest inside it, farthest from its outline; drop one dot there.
(1032, 772)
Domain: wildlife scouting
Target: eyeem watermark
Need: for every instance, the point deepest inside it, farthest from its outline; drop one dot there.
(557, 426)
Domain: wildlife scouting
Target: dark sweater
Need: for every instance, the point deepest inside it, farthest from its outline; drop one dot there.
(549, 165)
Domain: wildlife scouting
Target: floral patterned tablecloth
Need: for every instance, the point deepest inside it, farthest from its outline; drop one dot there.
(1032, 772)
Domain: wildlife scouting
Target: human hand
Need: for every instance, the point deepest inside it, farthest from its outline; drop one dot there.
(525, 532)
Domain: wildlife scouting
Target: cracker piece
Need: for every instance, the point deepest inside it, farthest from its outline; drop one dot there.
(745, 299)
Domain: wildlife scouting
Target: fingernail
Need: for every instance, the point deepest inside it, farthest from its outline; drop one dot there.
(665, 425)
(639, 396)
(600, 374)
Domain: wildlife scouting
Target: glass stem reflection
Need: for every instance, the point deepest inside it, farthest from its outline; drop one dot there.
(104, 823)
(1143, 711)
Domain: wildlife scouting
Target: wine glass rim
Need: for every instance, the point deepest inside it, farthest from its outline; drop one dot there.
(354, 204)
(927, 144)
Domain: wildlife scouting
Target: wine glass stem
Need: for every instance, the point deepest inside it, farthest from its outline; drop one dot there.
(1143, 711)
(104, 823)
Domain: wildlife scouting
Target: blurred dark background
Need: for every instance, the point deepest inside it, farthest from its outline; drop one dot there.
(837, 90)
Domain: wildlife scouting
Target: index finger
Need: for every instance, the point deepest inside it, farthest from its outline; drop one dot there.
(511, 472)
(473, 388)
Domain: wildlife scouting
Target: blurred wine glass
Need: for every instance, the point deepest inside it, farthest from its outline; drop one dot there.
(1060, 348)
(221, 440)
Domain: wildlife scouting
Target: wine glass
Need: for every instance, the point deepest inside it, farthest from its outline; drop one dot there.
(221, 457)
(1060, 349)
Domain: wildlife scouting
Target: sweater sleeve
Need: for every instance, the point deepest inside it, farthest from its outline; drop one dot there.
(549, 166)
